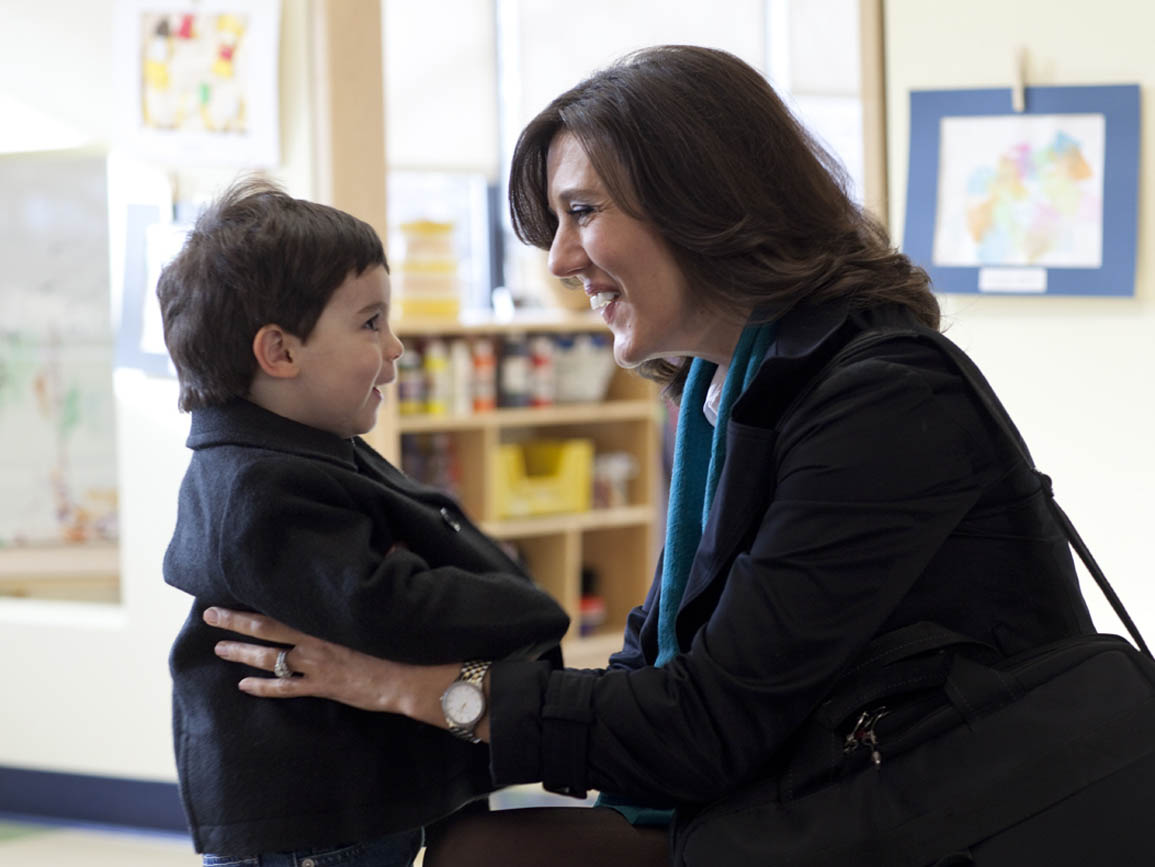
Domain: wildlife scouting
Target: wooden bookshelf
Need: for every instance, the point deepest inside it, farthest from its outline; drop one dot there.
(619, 544)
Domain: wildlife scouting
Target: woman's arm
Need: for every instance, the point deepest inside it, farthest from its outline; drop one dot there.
(327, 670)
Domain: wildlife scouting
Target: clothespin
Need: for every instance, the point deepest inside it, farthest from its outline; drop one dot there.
(1018, 80)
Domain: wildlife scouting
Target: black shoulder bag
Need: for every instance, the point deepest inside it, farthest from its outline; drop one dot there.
(933, 750)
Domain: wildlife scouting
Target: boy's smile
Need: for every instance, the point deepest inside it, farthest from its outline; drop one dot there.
(349, 355)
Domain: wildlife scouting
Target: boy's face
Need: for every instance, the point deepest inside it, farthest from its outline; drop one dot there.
(349, 355)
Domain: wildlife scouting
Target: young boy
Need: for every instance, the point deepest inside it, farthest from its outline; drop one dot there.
(276, 315)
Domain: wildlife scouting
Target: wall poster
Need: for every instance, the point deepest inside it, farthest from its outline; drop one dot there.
(57, 413)
(1043, 201)
(200, 80)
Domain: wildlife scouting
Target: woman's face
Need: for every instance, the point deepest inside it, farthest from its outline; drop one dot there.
(627, 269)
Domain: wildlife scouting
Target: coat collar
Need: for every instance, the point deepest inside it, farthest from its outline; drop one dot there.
(807, 338)
(243, 423)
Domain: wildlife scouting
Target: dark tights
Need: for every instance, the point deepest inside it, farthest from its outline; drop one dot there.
(547, 837)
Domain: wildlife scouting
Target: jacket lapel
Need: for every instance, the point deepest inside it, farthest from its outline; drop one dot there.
(745, 488)
(806, 339)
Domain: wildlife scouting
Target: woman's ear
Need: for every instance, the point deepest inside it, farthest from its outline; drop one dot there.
(276, 352)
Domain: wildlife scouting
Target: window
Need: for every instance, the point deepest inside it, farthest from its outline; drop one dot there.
(463, 77)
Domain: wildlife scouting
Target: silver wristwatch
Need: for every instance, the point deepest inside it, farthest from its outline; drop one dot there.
(463, 701)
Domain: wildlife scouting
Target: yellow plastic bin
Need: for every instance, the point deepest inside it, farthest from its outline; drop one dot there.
(543, 477)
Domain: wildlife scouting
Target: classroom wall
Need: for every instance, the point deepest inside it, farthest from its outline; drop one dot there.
(1075, 373)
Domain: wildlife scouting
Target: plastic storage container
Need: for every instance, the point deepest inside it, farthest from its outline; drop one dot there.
(543, 477)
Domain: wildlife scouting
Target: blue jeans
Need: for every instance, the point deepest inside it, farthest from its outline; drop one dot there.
(396, 850)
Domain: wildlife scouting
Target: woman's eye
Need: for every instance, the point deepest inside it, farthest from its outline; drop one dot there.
(579, 212)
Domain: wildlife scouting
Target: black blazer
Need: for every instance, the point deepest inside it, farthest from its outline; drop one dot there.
(299, 524)
(884, 498)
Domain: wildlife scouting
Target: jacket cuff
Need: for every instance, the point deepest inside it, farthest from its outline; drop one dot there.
(516, 695)
(566, 719)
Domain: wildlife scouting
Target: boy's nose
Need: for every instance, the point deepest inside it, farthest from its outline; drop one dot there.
(396, 348)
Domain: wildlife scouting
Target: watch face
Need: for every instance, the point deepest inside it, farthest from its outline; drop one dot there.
(463, 703)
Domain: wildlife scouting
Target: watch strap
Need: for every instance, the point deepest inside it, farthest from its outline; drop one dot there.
(472, 672)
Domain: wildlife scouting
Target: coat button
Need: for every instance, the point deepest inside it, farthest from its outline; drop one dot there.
(447, 516)
(308, 862)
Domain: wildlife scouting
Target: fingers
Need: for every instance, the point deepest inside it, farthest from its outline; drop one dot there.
(254, 655)
(258, 656)
(253, 625)
(275, 687)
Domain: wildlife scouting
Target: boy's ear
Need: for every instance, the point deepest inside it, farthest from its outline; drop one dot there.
(276, 352)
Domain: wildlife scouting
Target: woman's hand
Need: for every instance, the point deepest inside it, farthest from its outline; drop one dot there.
(326, 670)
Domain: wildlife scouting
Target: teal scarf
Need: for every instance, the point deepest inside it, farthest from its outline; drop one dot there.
(699, 453)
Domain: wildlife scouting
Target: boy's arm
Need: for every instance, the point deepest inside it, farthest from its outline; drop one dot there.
(297, 547)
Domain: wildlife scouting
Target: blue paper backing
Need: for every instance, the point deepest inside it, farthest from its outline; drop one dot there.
(1119, 104)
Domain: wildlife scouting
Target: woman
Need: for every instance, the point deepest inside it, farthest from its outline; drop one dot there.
(814, 505)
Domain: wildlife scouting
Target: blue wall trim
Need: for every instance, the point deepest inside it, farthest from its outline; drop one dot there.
(84, 798)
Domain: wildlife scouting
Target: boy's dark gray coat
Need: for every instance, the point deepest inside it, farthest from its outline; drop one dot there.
(325, 535)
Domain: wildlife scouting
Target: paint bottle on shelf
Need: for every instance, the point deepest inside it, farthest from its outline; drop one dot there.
(513, 377)
(542, 382)
(437, 381)
(411, 382)
(484, 375)
(460, 377)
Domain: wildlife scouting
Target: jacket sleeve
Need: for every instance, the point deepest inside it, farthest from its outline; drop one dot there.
(294, 546)
(633, 653)
(873, 472)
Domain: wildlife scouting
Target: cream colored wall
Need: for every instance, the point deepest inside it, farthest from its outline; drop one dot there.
(84, 688)
(1075, 373)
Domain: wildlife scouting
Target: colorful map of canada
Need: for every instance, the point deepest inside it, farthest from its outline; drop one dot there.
(1027, 206)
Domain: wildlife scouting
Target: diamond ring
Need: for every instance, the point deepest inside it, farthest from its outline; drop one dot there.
(281, 666)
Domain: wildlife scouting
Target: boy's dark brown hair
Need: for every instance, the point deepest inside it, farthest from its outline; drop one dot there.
(695, 142)
(256, 256)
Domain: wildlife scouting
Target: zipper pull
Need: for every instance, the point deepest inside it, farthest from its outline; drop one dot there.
(863, 735)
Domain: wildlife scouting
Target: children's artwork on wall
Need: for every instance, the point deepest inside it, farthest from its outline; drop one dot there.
(1042, 201)
(57, 413)
(200, 80)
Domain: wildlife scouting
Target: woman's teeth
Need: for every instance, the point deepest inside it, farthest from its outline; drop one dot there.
(603, 299)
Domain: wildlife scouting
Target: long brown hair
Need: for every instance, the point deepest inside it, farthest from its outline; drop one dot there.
(696, 142)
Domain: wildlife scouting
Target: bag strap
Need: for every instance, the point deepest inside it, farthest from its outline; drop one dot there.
(995, 409)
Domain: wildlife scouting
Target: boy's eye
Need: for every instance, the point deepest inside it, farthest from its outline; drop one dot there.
(374, 322)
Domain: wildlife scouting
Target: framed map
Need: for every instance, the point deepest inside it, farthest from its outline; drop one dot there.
(1042, 201)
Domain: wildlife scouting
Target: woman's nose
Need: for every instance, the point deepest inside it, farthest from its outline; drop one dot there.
(566, 256)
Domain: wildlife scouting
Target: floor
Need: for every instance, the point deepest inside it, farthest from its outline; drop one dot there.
(29, 843)
(25, 844)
